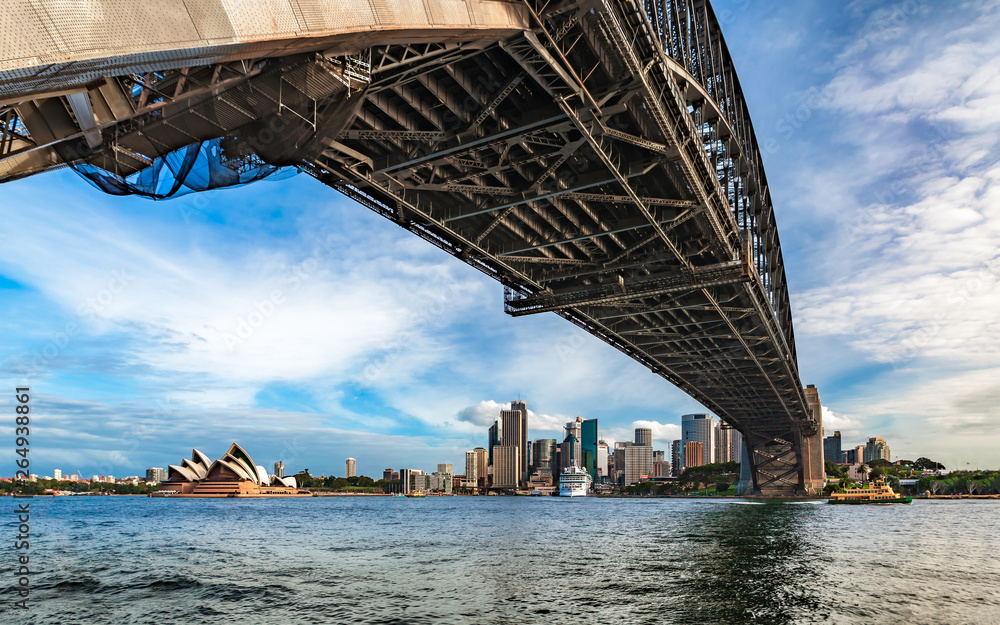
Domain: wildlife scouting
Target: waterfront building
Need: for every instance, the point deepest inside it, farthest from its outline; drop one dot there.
(644, 436)
(57, 474)
(279, 468)
(387, 474)
(638, 463)
(588, 447)
(351, 468)
(155, 475)
(482, 465)
(440, 482)
(233, 475)
(694, 454)
(832, 450)
(471, 469)
(572, 451)
(729, 444)
(445, 468)
(406, 480)
(602, 462)
(493, 439)
(675, 458)
(876, 449)
(514, 433)
(544, 454)
(506, 464)
(697, 428)
(421, 482)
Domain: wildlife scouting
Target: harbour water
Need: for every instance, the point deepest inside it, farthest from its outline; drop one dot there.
(502, 560)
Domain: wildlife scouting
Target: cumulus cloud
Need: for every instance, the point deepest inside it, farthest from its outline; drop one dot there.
(484, 413)
(851, 428)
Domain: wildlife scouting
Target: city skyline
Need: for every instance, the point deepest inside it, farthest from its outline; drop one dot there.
(325, 331)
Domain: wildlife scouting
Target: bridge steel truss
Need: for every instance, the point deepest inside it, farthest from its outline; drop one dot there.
(597, 158)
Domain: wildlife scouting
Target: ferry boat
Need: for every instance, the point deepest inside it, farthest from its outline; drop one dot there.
(574, 482)
(876, 492)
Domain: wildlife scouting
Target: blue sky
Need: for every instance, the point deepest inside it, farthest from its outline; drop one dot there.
(285, 317)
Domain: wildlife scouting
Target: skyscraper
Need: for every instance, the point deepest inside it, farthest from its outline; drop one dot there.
(638, 463)
(644, 436)
(876, 449)
(675, 458)
(572, 450)
(544, 452)
(602, 462)
(471, 468)
(279, 468)
(445, 468)
(512, 431)
(588, 446)
(729, 447)
(505, 466)
(832, 447)
(694, 454)
(155, 475)
(387, 474)
(698, 428)
(351, 464)
(482, 465)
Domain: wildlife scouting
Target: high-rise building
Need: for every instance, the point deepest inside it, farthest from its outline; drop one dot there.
(544, 454)
(572, 450)
(644, 436)
(411, 480)
(729, 444)
(351, 467)
(602, 462)
(493, 439)
(694, 454)
(57, 474)
(675, 458)
(387, 474)
(698, 428)
(482, 465)
(445, 468)
(859, 454)
(832, 448)
(155, 475)
(661, 466)
(471, 468)
(506, 465)
(876, 449)
(279, 468)
(657, 455)
(638, 463)
(515, 434)
(588, 446)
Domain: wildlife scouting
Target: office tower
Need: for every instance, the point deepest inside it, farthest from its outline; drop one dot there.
(506, 464)
(602, 462)
(155, 475)
(57, 474)
(279, 468)
(675, 458)
(658, 456)
(493, 437)
(618, 459)
(471, 468)
(638, 463)
(876, 449)
(445, 468)
(644, 436)
(514, 433)
(572, 450)
(411, 480)
(729, 444)
(697, 428)
(588, 446)
(387, 475)
(351, 467)
(694, 454)
(544, 454)
(859, 454)
(482, 465)
(661, 466)
(832, 448)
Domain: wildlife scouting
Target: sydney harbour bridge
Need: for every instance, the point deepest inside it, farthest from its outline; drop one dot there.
(595, 157)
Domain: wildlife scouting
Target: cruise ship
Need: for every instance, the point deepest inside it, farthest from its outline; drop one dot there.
(574, 482)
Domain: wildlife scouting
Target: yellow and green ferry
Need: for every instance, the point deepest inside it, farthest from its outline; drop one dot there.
(876, 492)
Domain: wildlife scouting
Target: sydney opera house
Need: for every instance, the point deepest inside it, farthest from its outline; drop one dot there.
(232, 475)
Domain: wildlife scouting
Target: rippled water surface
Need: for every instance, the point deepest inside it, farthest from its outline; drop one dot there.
(504, 560)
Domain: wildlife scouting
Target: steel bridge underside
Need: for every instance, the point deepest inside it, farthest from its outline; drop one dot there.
(598, 162)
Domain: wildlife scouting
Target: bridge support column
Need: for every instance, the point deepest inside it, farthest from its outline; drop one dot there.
(813, 468)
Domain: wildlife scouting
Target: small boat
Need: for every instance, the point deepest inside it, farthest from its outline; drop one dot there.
(876, 492)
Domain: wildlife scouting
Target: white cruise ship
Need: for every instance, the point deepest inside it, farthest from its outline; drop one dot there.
(574, 482)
